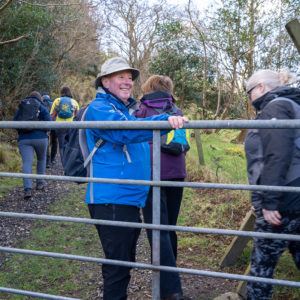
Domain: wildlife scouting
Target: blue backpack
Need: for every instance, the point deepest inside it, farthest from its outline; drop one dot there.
(65, 108)
(175, 142)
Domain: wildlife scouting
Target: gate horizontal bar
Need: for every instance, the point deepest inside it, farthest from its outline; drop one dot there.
(266, 235)
(210, 124)
(152, 267)
(226, 186)
(34, 294)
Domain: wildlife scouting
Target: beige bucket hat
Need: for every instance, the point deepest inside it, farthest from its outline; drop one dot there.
(114, 65)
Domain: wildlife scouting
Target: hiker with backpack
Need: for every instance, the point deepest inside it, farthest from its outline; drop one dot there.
(47, 101)
(32, 140)
(158, 99)
(124, 154)
(63, 108)
(273, 158)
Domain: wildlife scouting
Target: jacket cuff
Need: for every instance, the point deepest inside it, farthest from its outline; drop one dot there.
(270, 205)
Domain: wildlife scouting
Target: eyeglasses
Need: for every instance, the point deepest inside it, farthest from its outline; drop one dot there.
(249, 91)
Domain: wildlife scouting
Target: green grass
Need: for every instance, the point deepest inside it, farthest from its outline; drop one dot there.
(50, 275)
(225, 159)
(10, 161)
(6, 184)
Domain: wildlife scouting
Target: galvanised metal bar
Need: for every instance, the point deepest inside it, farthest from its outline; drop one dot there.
(152, 267)
(162, 125)
(277, 236)
(220, 124)
(225, 186)
(34, 294)
(156, 215)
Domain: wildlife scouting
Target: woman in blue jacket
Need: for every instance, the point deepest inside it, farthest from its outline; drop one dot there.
(124, 154)
(30, 141)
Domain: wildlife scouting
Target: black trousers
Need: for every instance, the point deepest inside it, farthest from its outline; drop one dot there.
(266, 253)
(170, 201)
(61, 136)
(53, 146)
(118, 243)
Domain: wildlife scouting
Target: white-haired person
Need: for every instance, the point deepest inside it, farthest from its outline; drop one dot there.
(124, 154)
(273, 158)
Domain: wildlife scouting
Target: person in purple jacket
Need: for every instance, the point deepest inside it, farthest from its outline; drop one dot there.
(158, 99)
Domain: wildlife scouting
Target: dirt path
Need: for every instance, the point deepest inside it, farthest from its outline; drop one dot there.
(14, 230)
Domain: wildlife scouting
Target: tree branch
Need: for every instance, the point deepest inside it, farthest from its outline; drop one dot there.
(48, 5)
(5, 5)
(14, 40)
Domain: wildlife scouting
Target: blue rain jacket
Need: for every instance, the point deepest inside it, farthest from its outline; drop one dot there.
(112, 160)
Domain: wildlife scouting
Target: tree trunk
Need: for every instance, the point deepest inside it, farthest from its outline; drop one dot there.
(240, 139)
(219, 85)
(231, 96)
(199, 145)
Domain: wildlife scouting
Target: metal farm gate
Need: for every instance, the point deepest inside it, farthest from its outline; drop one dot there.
(156, 183)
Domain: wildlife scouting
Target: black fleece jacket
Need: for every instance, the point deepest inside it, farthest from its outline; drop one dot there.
(277, 147)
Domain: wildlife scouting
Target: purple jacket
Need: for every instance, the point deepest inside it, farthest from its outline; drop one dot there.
(172, 167)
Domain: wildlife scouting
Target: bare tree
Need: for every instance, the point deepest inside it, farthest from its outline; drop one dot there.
(132, 31)
(78, 31)
(200, 28)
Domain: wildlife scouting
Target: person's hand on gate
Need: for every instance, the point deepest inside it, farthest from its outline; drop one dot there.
(177, 121)
(272, 216)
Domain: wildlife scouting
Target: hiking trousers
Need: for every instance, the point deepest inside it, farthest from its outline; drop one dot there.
(266, 253)
(170, 201)
(53, 146)
(27, 147)
(118, 243)
(61, 136)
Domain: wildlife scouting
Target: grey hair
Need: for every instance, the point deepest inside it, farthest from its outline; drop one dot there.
(270, 78)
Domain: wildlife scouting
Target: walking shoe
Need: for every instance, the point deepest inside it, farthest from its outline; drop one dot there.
(27, 194)
(53, 161)
(40, 186)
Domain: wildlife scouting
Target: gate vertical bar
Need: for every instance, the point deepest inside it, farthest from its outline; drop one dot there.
(156, 215)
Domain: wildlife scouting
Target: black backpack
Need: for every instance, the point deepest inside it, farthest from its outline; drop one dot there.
(76, 156)
(29, 110)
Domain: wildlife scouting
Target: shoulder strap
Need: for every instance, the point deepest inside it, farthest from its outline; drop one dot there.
(83, 143)
(296, 106)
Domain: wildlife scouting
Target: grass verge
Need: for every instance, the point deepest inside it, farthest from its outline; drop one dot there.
(56, 276)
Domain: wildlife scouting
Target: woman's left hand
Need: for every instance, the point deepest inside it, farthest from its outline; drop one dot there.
(272, 216)
(177, 121)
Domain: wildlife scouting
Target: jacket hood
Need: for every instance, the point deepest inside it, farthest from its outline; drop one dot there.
(283, 91)
(158, 99)
(35, 98)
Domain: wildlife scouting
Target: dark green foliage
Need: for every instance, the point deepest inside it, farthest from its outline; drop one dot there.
(30, 63)
(180, 57)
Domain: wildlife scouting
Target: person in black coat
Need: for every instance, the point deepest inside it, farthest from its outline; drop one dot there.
(273, 158)
(33, 141)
